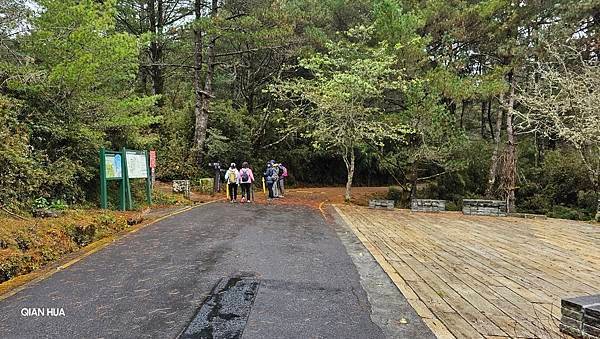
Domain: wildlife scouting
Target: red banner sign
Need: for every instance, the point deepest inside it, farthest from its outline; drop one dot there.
(152, 159)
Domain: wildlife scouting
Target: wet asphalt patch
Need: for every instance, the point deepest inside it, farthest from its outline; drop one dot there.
(225, 311)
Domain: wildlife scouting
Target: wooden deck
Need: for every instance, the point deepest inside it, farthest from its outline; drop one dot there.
(475, 276)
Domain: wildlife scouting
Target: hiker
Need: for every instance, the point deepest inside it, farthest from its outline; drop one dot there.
(269, 172)
(246, 180)
(275, 167)
(283, 173)
(232, 176)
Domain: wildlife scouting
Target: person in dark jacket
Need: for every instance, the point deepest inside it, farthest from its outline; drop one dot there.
(270, 179)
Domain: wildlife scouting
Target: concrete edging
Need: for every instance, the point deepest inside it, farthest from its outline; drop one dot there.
(391, 310)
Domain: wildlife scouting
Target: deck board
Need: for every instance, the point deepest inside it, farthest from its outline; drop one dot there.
(477, 276)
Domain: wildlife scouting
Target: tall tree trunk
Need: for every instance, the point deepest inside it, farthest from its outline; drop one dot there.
(489, 116)
(414, 178)
(156, 23)
(203, 94)
(510, 163)
(201, 118)
(207, 93)
(349, 159)
(489, 192)
(463, 107)
(483, 122)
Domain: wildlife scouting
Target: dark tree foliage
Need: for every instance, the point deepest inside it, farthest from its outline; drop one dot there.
(194, 80)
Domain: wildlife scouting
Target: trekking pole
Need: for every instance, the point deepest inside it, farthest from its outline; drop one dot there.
(264, 187)
(227, 191)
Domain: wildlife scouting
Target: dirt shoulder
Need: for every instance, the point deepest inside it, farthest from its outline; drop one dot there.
(31, 248)
(314, 197)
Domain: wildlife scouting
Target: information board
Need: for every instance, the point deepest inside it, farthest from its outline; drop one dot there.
(136, 165)
(113, 166)
(122, 166)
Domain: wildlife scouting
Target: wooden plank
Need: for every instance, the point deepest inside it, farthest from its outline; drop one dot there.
(459, 326)
(477, 273)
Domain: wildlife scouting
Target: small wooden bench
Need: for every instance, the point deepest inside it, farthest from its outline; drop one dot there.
(484, 207)
(389, 204)
(427, 205)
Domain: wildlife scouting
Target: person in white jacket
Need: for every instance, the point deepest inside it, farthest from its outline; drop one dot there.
(232, 177)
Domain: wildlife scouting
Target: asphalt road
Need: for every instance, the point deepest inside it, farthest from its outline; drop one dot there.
(151, 283)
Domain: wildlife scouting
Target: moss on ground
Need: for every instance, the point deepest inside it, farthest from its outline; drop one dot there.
(27, 245)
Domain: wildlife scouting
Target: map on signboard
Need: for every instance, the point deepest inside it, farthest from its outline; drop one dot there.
(113, 166)
(136, 165)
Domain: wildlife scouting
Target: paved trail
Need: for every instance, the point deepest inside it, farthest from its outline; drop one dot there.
(150, 283)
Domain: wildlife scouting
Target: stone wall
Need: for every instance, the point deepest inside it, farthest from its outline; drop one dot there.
(427, 205)
(389, 204)
(484, 207)
(182, 186)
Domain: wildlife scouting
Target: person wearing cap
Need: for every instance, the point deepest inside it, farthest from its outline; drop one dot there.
(232, 176)
(270, 179)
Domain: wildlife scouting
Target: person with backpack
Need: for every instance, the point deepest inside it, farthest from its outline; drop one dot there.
(269, 178)
(246, 180)
(275, 167)
(282, 176)
(232, 176)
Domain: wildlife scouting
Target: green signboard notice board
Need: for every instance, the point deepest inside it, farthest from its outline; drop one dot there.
(123, 166)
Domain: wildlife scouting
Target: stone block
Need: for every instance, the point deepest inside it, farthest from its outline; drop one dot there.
(579, 303)
(581, 316)
(389, 204)
(591, 316)
(591, 331)
(182, 186)
(427, 205)
(574, 332)
(484, 207)
(571, 313)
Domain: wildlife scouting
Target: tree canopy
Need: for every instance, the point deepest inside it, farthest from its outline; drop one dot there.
(445, 99)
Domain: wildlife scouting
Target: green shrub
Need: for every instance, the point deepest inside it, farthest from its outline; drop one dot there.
(588, 201)
(400, 196)
(555, 183)
(453, 206)
(537, 204)
(58, 205)
(40, 203)
(204, 185)
(563, 212)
